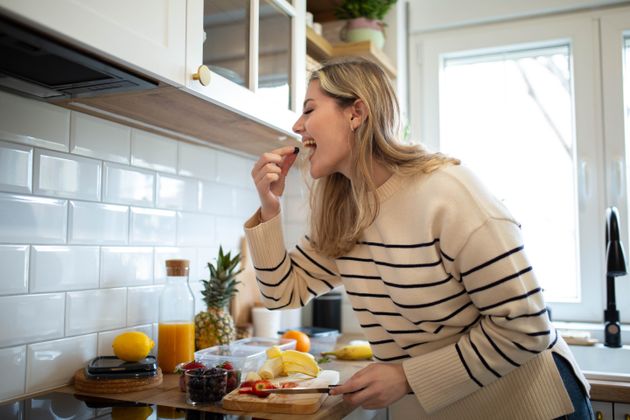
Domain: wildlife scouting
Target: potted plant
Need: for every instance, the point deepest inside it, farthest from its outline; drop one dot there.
(364, 20)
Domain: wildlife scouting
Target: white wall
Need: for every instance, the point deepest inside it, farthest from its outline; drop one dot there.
(89, 211)
(429, 15)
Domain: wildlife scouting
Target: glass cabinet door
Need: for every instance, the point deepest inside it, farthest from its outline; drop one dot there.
(274, 54)
(249, 42)
(226, 25)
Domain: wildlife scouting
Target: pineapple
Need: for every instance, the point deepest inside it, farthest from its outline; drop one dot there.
(215, 325)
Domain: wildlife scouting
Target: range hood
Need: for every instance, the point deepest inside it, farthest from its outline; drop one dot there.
(39, 67)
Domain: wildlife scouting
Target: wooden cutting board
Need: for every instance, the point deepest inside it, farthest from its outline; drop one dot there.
(114, 386)
(287, 404)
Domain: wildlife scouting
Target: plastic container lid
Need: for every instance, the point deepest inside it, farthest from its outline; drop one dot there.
(314, 332)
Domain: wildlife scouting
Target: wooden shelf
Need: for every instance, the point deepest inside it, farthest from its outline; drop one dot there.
(320, 49)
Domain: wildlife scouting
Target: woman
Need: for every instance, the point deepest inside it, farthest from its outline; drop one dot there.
(432, 263)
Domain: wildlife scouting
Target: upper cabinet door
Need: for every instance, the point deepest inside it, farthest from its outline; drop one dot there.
(146, 35)
(255, 51)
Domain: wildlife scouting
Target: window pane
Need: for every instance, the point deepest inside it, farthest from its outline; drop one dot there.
(275, 55)
(508, 116)
(226, 46)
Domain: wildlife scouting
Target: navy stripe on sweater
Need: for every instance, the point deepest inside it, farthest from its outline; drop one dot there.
(492, 261)
(495, 347)
(461, 358)
(498, 282)
(383, 245)
(308, 257)
(512, 299)
(281, 280)
(272, 268)
(388, 264)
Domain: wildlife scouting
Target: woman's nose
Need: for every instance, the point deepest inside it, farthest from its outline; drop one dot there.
(298, 127)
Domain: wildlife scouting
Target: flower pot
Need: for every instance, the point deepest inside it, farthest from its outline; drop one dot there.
(362, 29)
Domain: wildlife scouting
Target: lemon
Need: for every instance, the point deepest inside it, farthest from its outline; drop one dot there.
(132, 346)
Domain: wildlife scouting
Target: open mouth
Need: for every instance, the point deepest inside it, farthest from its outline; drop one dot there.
(309, 143)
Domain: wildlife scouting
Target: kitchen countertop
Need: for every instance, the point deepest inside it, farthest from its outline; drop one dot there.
(168, 394)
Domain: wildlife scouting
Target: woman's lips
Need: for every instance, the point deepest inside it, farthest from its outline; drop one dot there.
(309, 143)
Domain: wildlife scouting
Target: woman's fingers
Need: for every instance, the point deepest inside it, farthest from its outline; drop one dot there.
(269, 174)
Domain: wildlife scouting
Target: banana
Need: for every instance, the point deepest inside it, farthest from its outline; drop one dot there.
(271, 368)
(297, 361)
(352, 352)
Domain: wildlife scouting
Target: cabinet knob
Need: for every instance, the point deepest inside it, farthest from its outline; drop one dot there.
(626, 417)
(203, 75)
(599, 415)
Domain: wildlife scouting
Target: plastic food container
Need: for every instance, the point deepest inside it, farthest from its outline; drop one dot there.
(322, 339)
(246, 355)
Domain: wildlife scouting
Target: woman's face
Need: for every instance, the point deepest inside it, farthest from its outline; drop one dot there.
(325, 130)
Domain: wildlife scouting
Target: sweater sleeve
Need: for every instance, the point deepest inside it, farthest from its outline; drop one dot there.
(512, 328)
(287, 279)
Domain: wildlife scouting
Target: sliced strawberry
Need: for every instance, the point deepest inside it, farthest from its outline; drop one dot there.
(289, 385)
(246, 390)
(247, 384)
(260, 386)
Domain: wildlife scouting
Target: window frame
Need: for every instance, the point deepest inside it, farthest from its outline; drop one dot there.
(581, 30)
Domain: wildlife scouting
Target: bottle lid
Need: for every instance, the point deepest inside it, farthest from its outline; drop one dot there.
(177, 267)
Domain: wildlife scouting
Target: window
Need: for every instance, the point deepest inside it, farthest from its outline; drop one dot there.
(525, 105)
(508, 116)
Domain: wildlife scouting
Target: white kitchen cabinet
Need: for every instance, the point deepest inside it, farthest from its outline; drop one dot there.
(255, 52)
(603, 410)
(622, 411)
(148, 36)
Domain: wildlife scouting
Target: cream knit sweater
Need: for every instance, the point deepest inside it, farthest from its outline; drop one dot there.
(440, 283)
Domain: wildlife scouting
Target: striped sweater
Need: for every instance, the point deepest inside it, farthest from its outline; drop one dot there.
(439, 282)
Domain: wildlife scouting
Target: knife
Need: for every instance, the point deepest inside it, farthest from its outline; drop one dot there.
(299, 390)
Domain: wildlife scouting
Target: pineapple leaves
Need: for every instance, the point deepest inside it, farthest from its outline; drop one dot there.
(221, 286)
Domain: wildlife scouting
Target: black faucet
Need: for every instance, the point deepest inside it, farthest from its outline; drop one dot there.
(615, 266)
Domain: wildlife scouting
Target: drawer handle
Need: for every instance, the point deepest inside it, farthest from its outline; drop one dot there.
(599, 415)
(203, 75)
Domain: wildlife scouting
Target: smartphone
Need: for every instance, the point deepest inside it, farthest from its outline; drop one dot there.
(114, 365)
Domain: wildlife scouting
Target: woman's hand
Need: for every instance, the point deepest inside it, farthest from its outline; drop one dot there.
(375, 386)
(269, 174)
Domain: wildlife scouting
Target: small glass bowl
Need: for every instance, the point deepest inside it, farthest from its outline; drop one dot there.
(205, 386)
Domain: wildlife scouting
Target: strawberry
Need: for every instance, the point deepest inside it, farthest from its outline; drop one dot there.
(260, 386)
(226, 365)
(192, 365)
(246, 390)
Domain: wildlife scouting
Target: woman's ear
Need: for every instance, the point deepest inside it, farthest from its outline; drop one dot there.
(358, 113)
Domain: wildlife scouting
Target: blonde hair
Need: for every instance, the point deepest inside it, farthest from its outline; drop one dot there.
(342, 208)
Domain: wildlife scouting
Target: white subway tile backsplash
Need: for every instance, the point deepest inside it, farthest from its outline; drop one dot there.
(64, 175)
(142, 304)
(60, 268)
(28, 219)
(234, 170)
(87, 263)
(34, 123)
(95, 310)
(246, 203)
(126, 266)
(217, 199)
(177, 193)
(13, 362)
(98, 138)
(195, 229)
(151, 151)
(53, 363)
(14, 261)
(229, 232)
(296, 210)
(153, 227)
(163, 254)
(197, 161)
(16, 168)
(28, 318)
(125, 185)
(95, 223)
(105, 339)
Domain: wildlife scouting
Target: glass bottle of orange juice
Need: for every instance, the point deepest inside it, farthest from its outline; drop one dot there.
(176, 328)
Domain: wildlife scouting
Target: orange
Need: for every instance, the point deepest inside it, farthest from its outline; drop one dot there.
(303, 343)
